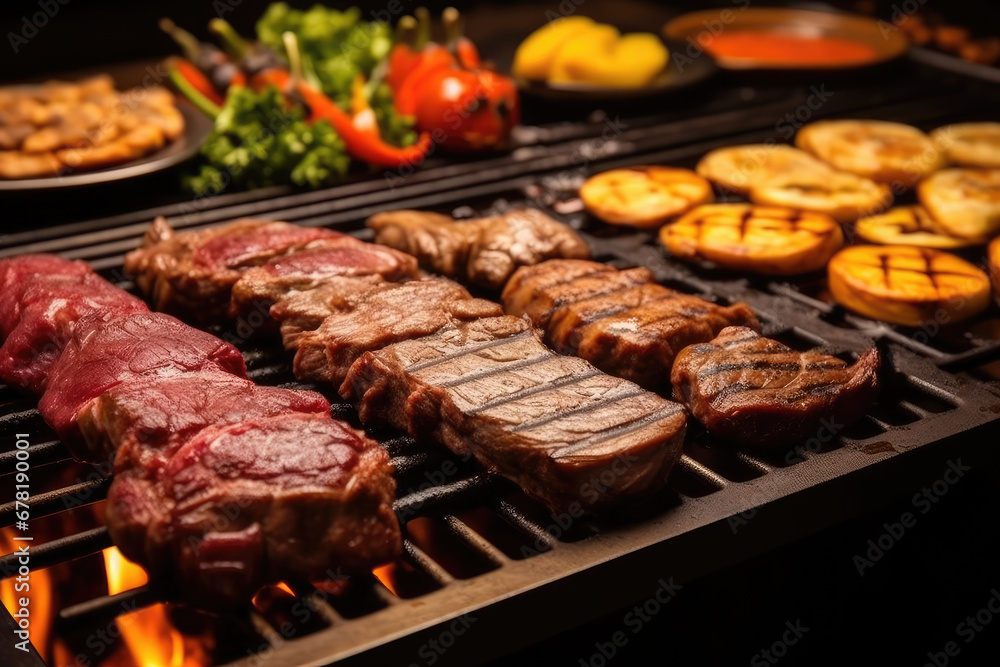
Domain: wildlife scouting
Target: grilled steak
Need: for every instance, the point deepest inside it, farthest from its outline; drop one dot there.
(43, 297)
(285, 498)
(221, 486)
(262, 286)
(193, 273)
(131, 348)
(623, 322)
(755, 391)
(331, 326)
(483, 252)
(569, 435)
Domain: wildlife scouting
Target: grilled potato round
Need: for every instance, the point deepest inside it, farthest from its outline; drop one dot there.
(993, 254)
(907, 225)
(742, 168)
(970, 144)
(771, 240)
(884, 152)
(965, 202)
(845, 197)
(644, 196)
(905, 285)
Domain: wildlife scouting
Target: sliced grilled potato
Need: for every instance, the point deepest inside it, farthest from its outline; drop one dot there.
(993, 255)
(884, 152)
(845, 197)
(742, 168)
(965, 202)
(906, 285)
(907, 225)
(970, 144)
(644, 196)
(771, 240)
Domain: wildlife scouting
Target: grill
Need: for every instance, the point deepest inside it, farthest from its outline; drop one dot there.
(480, 558)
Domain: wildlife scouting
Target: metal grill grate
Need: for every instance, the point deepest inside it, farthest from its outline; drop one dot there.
(474, 543)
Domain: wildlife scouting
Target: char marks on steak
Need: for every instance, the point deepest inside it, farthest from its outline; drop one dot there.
(194, 273)
(622, 321)
(756, 391)
(43, 297)
(553, 424)
(292, 497)
(484, 251)
(331, 326)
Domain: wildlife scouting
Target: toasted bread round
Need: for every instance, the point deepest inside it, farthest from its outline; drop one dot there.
(906, 285)
(771, 240)
(970, 144)
(742, 168)
(907, 225)
(890, 153)
(644, 196)
(845, 197)
(965, 202)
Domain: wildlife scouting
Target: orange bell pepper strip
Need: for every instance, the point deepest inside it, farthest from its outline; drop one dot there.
(197, 80)
(361, 144)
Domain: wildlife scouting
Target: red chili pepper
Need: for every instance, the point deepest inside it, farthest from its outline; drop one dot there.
(362, 146)
(198, 81)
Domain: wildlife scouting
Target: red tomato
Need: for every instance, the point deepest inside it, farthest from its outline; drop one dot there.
(467, 110)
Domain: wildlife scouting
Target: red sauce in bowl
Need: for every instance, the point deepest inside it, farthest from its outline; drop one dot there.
(788, 48)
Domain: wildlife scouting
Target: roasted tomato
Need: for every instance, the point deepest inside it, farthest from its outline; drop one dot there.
(468, 110)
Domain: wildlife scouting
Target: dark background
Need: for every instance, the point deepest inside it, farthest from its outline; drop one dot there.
(88, 33)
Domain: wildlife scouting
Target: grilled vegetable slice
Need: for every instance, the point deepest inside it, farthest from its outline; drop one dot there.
(741, 168)
(882, 151)
(965, 202)
(845, 197)
(970, 144)
(907, 225)
(772, 240)
(994, 261)
(644, 196)
(904, 285)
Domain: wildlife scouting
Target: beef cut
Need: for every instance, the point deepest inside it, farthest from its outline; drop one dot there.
(292, 497)
(132, 348)
(622, 321)
(43, 298)
(221, 486)
(331, 326)
(484, 251)
(193, 273)
(262, 286)
(755, 391)
(569, 435)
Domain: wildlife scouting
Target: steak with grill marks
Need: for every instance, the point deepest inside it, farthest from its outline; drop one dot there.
(484, 251)
(262, 286)
(569, 435)
(42, 300)
(623, 322)
(292, 497)
(193, 273)
(332, 325)
(756, 391)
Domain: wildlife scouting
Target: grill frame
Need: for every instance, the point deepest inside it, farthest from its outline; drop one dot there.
(684, 534)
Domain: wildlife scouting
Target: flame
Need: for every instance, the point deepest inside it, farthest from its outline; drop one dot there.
(39, 592)
(384, 573)
(150, 637)
(285, 587)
